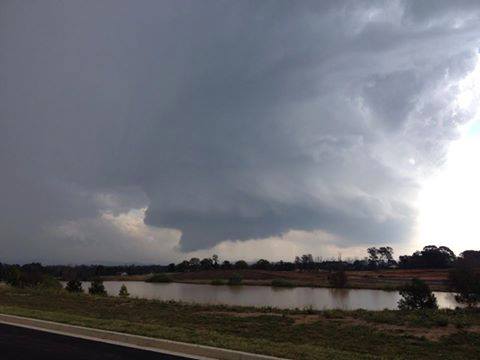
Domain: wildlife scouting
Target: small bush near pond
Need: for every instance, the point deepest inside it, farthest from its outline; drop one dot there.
(97, 288)
(236, 279)
(159, 278)
(282, 283)
(74, 286)
(417, 295)
(123, 291)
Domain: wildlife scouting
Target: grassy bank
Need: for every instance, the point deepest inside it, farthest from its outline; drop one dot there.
(301, 334)
(390, 279)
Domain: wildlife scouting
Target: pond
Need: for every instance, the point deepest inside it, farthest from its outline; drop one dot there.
(285, 298)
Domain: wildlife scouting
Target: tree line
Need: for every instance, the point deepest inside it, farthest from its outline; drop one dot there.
(430, 256)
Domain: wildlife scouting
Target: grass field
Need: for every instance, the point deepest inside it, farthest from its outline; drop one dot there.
(301, 334)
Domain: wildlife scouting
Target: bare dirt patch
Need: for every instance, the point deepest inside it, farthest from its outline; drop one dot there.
(432, 334)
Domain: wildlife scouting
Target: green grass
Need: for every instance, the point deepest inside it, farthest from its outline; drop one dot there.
(326, 334)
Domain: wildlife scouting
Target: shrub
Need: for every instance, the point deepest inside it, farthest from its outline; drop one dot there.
(19, 278)
(337, 279)
(236, 279)
(308, 309)
(74, 286)
(417, 295)
(441, 321)
(217, 282)
(123, 291)
(97, 288)
(49, 282)
(13, 277)
(282, 283)
(159, 278)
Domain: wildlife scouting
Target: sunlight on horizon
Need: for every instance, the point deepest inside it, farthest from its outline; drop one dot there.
(449, 202)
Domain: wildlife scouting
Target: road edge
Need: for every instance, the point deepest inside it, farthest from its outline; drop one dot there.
(194, 351)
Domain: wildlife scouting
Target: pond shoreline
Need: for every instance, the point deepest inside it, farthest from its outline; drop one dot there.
(267, 296)
(388, 280)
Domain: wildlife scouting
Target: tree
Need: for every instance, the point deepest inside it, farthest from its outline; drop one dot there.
(466, 283)
(13, 277)
(381, 256)
(74, 286)
(470, 257)
(171, 267)
(386, 254)
(226, 265)
(215, 260)
(183, 266)
(431, 256)
(241, 264)
(417, 295)
(337, 279)
(262, 264)
(194, 263)
(97, 288)
(25, 276)
(123, 291)
(304, 262)
(373, 254)
(206, 264)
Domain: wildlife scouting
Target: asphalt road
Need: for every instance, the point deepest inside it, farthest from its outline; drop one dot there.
(17, 343)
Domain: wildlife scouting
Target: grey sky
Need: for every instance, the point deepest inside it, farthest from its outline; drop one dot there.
(224, 120)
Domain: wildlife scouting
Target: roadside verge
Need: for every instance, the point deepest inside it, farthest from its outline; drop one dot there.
(194, 351)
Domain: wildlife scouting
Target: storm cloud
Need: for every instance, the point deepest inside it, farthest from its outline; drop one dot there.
(224, 120)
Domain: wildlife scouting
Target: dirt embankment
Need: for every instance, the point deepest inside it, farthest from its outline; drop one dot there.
(382, 279)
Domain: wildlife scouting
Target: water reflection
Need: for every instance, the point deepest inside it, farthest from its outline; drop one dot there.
(316, 298)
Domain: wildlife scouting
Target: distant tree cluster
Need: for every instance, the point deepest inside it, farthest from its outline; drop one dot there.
(381, 257)
(430, 257)
(29, 275)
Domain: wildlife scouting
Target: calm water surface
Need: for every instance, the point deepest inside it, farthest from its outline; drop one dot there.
(247, 295)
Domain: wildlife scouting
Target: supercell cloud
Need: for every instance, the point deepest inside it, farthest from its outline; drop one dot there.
(222, 120)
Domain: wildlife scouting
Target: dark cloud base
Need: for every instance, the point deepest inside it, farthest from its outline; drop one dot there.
(227, 120)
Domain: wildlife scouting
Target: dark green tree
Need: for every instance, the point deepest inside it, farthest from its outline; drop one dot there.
(97, 288)
(123, 291)
(262, 264)
(241, 264)
(13, 277)
(465, 282)
(337, 279)
(215, 260)
(74, 286)
(417, 295)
